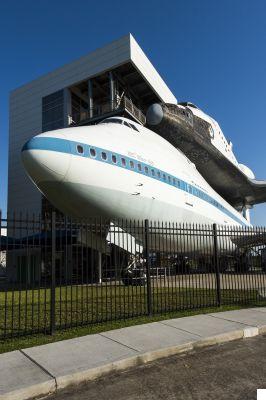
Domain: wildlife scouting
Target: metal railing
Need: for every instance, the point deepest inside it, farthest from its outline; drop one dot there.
(103, 110)
(61, 273)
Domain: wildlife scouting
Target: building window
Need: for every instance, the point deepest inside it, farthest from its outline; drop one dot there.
(104, 156)
(123, 162)
(53, 111)
(80, 149)
(114, 159)
(92, 152)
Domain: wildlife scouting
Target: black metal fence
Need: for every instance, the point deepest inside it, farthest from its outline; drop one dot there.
(57, 273)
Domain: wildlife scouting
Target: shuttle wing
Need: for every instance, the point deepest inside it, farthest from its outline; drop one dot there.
(258, 188)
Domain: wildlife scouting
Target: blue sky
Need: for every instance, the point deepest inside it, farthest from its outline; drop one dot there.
(210, 52)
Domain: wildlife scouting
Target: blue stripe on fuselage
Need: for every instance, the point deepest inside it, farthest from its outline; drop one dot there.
(48, 143)
(70, 147)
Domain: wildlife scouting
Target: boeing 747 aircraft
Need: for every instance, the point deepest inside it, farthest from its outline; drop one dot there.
(120, 169)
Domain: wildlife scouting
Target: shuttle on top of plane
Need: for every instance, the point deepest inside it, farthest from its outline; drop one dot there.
(201, 139)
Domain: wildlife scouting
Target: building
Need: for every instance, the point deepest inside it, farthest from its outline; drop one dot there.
(116, 79)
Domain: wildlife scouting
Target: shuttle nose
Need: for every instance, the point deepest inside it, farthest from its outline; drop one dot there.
(154, 114)
(46, 159)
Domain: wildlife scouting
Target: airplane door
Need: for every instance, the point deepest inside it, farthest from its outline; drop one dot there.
(189, 201)
(189, 197)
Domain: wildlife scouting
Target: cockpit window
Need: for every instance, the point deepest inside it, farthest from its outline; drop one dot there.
(134, 127)
(130, 126)
(112, 120)
(187, 104)
(120, 122)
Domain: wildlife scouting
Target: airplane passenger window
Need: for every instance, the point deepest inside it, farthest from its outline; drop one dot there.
(164, 177)
(80, 149)
(169, 179)
(123, 162)
(104, 156)
(139, 167)
(93, 152)
(146, 170)
(131, 164)
(174, 181)
(114, 159)
(152, 172)
(158, 174)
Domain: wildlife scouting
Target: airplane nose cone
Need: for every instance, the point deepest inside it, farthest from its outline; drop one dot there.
(46, 158)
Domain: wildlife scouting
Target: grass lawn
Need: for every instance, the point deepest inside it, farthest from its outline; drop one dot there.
(92, 309)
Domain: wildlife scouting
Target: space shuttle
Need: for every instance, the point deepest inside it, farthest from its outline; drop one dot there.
(201, 139)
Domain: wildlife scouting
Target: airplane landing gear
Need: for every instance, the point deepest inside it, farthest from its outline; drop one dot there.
(134, 274)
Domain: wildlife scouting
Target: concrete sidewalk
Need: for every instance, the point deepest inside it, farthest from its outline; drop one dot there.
(41, 370)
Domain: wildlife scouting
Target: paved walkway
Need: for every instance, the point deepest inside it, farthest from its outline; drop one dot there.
(44, 369)
(233, 371)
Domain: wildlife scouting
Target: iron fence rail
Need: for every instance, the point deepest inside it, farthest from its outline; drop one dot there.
(61, 273)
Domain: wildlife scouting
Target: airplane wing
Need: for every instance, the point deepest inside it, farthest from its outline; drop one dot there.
(249, 240)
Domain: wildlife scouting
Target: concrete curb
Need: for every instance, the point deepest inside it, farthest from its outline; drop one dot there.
(31, 392)
(55, 383)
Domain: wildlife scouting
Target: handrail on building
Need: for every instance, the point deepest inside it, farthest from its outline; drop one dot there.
(105, 109)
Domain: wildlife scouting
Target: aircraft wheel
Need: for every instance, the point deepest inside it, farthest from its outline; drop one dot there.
(223, 264)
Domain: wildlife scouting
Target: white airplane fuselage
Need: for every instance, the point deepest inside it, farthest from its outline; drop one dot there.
(114, 171)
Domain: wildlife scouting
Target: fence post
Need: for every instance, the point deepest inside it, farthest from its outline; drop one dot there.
(216, 264)
(52, 294)
(148, 271)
